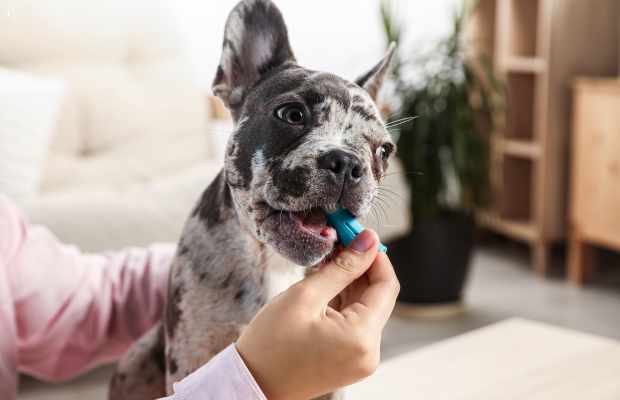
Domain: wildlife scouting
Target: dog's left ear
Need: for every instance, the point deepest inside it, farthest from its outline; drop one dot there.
(373, 79)
(255, 42)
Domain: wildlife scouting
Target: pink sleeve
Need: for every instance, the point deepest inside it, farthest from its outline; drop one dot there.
(11, 234)
(70, 310)
(224, 377)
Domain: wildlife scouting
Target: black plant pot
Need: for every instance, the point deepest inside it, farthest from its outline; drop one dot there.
(432, 262)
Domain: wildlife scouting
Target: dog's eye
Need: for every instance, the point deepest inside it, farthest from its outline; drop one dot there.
(291, 114)
(384, 151)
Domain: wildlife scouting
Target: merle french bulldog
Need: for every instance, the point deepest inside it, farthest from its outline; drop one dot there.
(304, 142)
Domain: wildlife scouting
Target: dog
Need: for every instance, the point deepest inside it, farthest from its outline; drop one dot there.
(304, 143)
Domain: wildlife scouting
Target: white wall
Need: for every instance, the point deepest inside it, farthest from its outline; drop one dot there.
(340, 36)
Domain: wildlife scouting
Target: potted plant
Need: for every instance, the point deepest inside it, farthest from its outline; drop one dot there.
(444, 151)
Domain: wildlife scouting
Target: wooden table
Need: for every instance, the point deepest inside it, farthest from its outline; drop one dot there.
(515, 359)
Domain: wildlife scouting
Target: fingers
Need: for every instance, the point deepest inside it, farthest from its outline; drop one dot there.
(346, 267)
(380, 296)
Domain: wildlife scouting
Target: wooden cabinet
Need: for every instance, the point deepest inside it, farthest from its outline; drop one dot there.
(537, 48)
(595, 200)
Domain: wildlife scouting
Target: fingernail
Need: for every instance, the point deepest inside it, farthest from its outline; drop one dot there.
(363, 242)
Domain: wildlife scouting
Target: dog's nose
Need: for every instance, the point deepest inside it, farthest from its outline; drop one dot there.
(344, 165)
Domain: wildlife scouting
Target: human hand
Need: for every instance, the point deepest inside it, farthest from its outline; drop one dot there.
(324, 332)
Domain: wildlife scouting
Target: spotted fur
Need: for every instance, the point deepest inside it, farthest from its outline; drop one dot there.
(240, 245)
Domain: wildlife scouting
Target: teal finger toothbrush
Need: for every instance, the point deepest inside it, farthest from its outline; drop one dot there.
(347, 227)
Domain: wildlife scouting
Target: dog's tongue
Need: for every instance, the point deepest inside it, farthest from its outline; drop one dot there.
(315, 221)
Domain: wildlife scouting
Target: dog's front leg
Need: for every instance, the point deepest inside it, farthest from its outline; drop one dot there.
(190, 348)
(140, 374)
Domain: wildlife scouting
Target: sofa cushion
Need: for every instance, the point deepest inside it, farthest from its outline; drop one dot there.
(136, 163)
(99, 219)
(28, 114)
(126, 70)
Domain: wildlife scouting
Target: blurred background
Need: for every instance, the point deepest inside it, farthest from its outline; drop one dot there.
(502, 201)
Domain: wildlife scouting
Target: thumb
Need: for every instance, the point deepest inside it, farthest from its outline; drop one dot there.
(346, 267)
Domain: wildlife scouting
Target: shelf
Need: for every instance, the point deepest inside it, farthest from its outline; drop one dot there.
(519, 229)
(539, 48)
(532, 65)
(517, 148)
(517, 189)
(481, 31)
(523, 27)
(520, 103)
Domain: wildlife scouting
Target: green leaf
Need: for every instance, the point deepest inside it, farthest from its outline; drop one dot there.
(450, 101)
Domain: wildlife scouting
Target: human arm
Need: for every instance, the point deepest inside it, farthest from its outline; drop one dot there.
(71, 310)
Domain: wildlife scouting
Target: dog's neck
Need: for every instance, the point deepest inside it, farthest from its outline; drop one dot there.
(228, 260)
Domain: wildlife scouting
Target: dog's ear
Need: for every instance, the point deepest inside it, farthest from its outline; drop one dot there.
(373, 79)
(255, 42)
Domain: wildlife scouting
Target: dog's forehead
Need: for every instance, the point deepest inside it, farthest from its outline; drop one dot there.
(346, 111)
(312, 86)
(322, 92)
(332, 88)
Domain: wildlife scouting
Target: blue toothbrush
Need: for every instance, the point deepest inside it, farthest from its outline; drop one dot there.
(347, 227)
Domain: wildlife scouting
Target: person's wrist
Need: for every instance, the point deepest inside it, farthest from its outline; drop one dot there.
(249, 364)
(261, 370)
(281, 372)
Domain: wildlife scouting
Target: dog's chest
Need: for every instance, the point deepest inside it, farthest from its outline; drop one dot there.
(280, 275)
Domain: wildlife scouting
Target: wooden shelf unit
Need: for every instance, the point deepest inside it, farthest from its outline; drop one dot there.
(516, 148)
(520, 230)
(537, 47)
(595, 183)
(531, 65)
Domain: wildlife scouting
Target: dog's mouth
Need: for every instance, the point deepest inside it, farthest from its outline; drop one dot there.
(300, 232)
(314, 222)
(309, 223)
(303, 236)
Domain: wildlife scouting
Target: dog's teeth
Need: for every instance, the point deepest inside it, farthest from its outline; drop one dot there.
(330, 208)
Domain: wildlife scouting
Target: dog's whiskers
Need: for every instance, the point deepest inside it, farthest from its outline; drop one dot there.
(387, 192)
(379, 205)
(374, 212)
(403, 173)
(399, 122)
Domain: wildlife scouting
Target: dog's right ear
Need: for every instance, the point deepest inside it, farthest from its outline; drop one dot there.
(255, 42)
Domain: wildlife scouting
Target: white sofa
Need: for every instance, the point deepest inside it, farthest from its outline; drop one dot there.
(133, 146)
